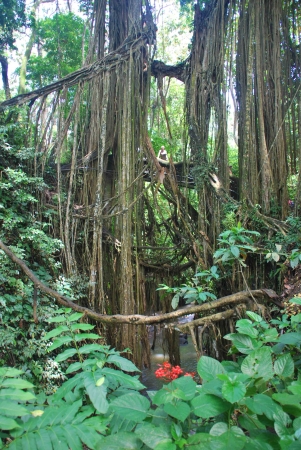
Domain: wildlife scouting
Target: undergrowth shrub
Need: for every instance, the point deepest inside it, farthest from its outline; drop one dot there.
(251, 402)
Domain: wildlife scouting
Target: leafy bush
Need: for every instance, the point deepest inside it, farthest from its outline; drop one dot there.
(197, 290)
(250, 403)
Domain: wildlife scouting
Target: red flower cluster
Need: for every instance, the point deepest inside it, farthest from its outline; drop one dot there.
(169, 372)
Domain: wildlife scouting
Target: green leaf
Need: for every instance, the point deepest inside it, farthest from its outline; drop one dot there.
(81, 326)
(179, 410)
(175, 301)
(255, 317)
(293, 338)
(120, 441)
(231, 440)
(74, 367)
(218, 429)
(74, 442)
(82, 336)
(74, 317)
(133, 406)
(287, 399)
(233, 390)
(42, 440)
(55, 332)
(66, 354)
(152, 435)
(162, 396)
(7, 424)
(97, 394)
(206, 405)
(245, 344)
(16, 394)
(208, 368)
(10, 408)
(262, 404)
(10, 372)
(259, 364)
(122, 363)
(235, 251)
(166, 445)
(123, 379)
(17, 383)
(57, 319)
(90, 348)
(59, 342)
(284, 366)
(183, 388)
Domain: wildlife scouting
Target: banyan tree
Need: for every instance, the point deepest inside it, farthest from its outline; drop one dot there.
(108, 212)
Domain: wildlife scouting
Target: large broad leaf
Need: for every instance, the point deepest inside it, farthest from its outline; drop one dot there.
(67, 386)
(74, 367)
(162, 396)
(42, 440)
(120, 441)
(259, 364)
(123, 378)
(231, 440)
(16, 394)
(256, 317)
(233, 390)
(57, 319)
(179, 410)
(293, 338)
(81, 336)
(208, 368)
(122, 363)
(250, 422)
(66, 354)
(10, 372)
(97, 394)
(59, 342)
(151, 435)
(133, 406)
(10, 408)
(75, 316)
(262, 404)
(7, 423)
(284, 366)
(16, 383)
(90, 348)
(82, 326)
(245, 344)
(166, 445)
(88, 435)
(219, 428)
(244, 326)
(213, 387)
(287, 399)
(206, 405)
(183, 388)
(55, 332)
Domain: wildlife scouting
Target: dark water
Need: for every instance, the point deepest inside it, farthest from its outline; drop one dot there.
(187, 354)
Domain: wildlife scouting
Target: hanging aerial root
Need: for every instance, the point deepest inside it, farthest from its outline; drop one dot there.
(135, 319)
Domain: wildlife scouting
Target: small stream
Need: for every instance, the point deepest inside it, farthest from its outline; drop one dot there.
(187, 354)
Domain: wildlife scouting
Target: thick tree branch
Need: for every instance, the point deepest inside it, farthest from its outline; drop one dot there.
(135, 319)
(109, 62)
(159, 68)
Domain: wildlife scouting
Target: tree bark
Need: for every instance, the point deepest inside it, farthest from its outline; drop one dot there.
(4, 66)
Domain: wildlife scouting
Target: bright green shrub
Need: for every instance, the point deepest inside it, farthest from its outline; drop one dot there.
(250, 403)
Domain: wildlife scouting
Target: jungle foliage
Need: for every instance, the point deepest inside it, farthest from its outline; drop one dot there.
(88, 210)
(252, 402)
